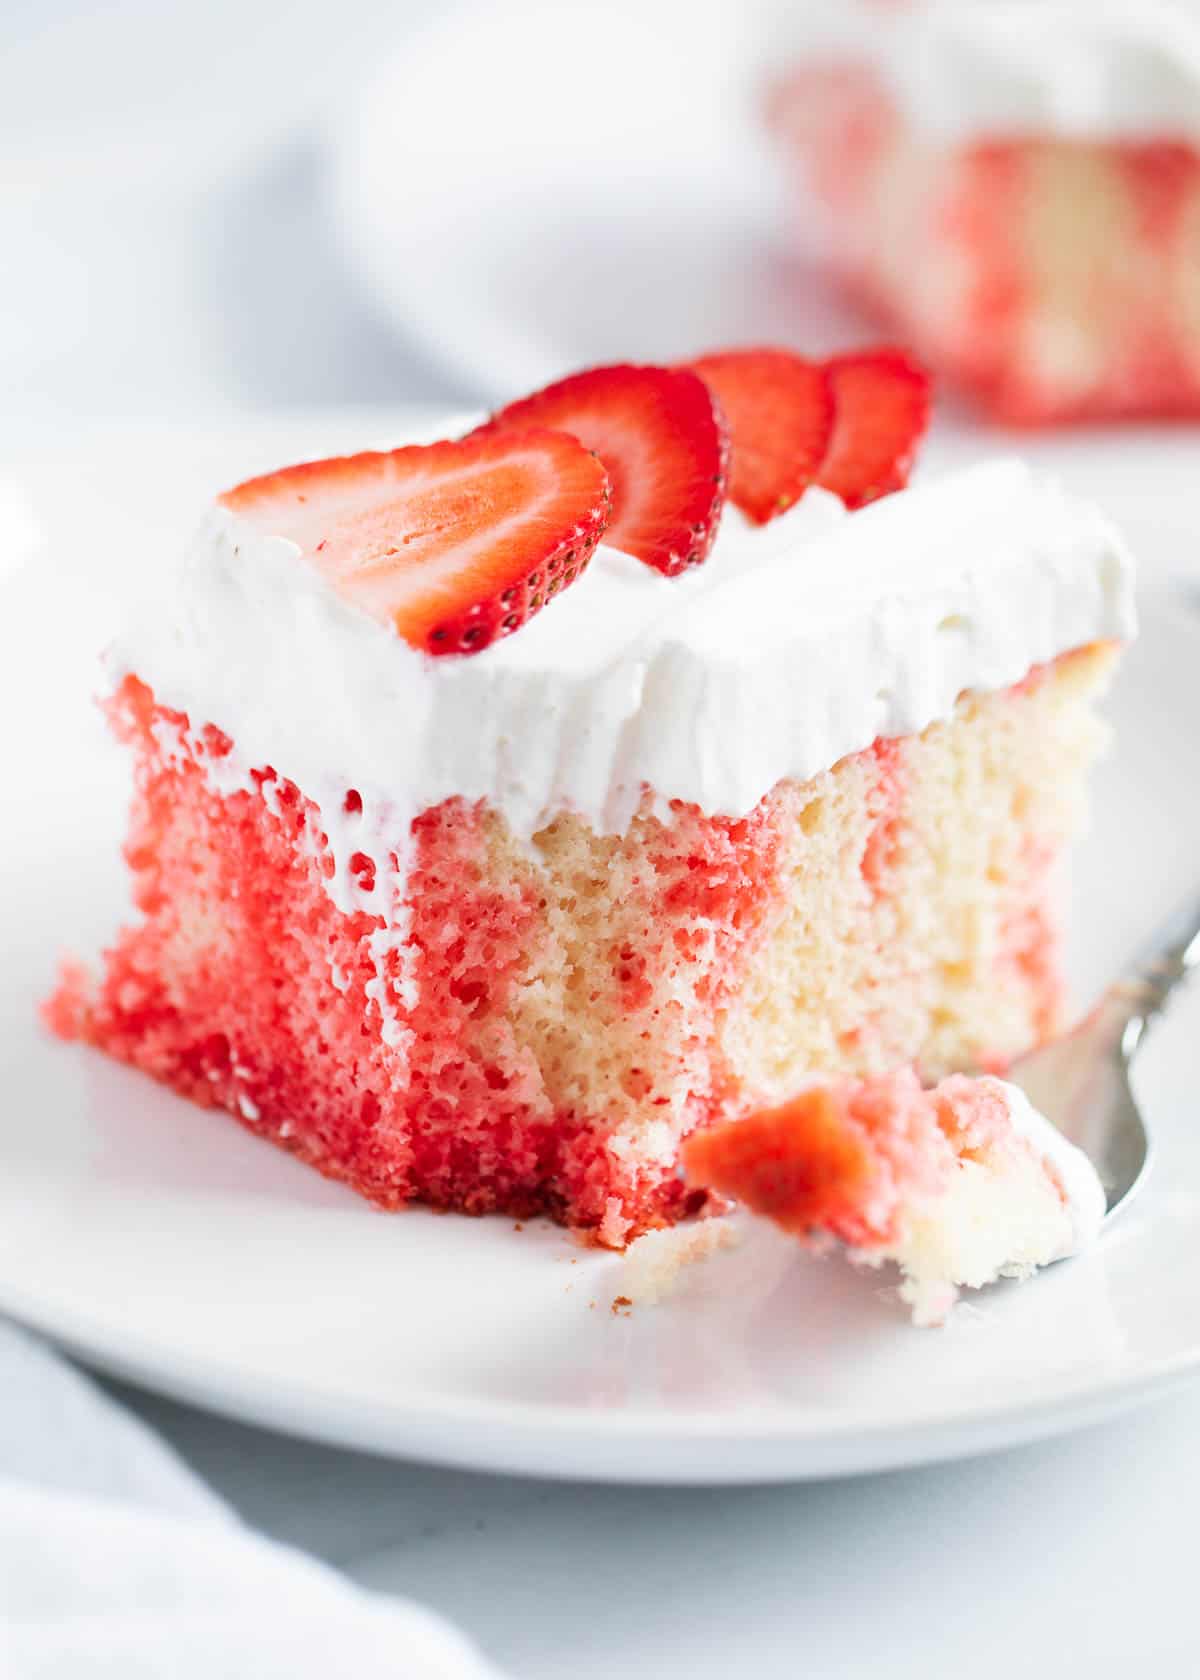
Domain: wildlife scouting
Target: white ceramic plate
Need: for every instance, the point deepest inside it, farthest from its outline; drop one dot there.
(163, 1243)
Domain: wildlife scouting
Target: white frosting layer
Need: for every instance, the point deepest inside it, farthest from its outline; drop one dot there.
(794, 645)
(1081, 68)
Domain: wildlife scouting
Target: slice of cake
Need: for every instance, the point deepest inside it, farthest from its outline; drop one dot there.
(1016, 189)
(479, 864)
(959, 1185)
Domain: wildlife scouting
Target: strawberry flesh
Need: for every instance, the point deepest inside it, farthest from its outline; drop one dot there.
(779, 408)
(804, 1165)
(661, 435)
(451, 544)
(881, 401)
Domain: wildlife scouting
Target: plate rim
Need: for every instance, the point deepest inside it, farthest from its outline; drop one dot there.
(635, 1444)
(549, 1441)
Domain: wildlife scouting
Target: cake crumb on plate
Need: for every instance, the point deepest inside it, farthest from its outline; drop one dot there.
(653, 1264)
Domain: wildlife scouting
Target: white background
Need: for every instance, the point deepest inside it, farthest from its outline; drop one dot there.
(165, 239)
(165, 250)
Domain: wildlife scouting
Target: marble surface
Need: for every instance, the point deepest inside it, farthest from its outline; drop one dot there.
(1069, 1558)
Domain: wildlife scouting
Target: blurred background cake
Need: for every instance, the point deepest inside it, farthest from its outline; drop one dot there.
(1016, 188)
(451, 204)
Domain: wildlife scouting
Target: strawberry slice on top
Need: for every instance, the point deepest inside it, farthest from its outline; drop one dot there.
(662, 437)
(882, 404)
(451, 544)
(779, 407)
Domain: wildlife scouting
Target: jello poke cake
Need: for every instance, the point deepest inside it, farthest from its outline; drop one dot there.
(538, 820)
(1015, 188)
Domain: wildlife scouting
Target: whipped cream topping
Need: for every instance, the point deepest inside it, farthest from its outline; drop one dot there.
(961, 69)
(1077, 1180)
(795, 644)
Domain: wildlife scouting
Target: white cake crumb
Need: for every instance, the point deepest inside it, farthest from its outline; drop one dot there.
(652, 1265)
(1004, 1214)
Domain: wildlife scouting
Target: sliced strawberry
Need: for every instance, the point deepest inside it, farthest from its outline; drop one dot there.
(805, 1165)
(662, 437)
(780, 413)
(881, 398)
(453, 544)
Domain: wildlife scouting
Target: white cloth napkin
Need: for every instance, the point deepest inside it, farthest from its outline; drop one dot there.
(116, 1563)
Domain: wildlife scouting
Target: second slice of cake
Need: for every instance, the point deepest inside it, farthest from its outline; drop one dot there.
(1016, 189)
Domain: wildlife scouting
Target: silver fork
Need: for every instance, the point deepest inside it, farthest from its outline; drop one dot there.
(1080, 1081)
